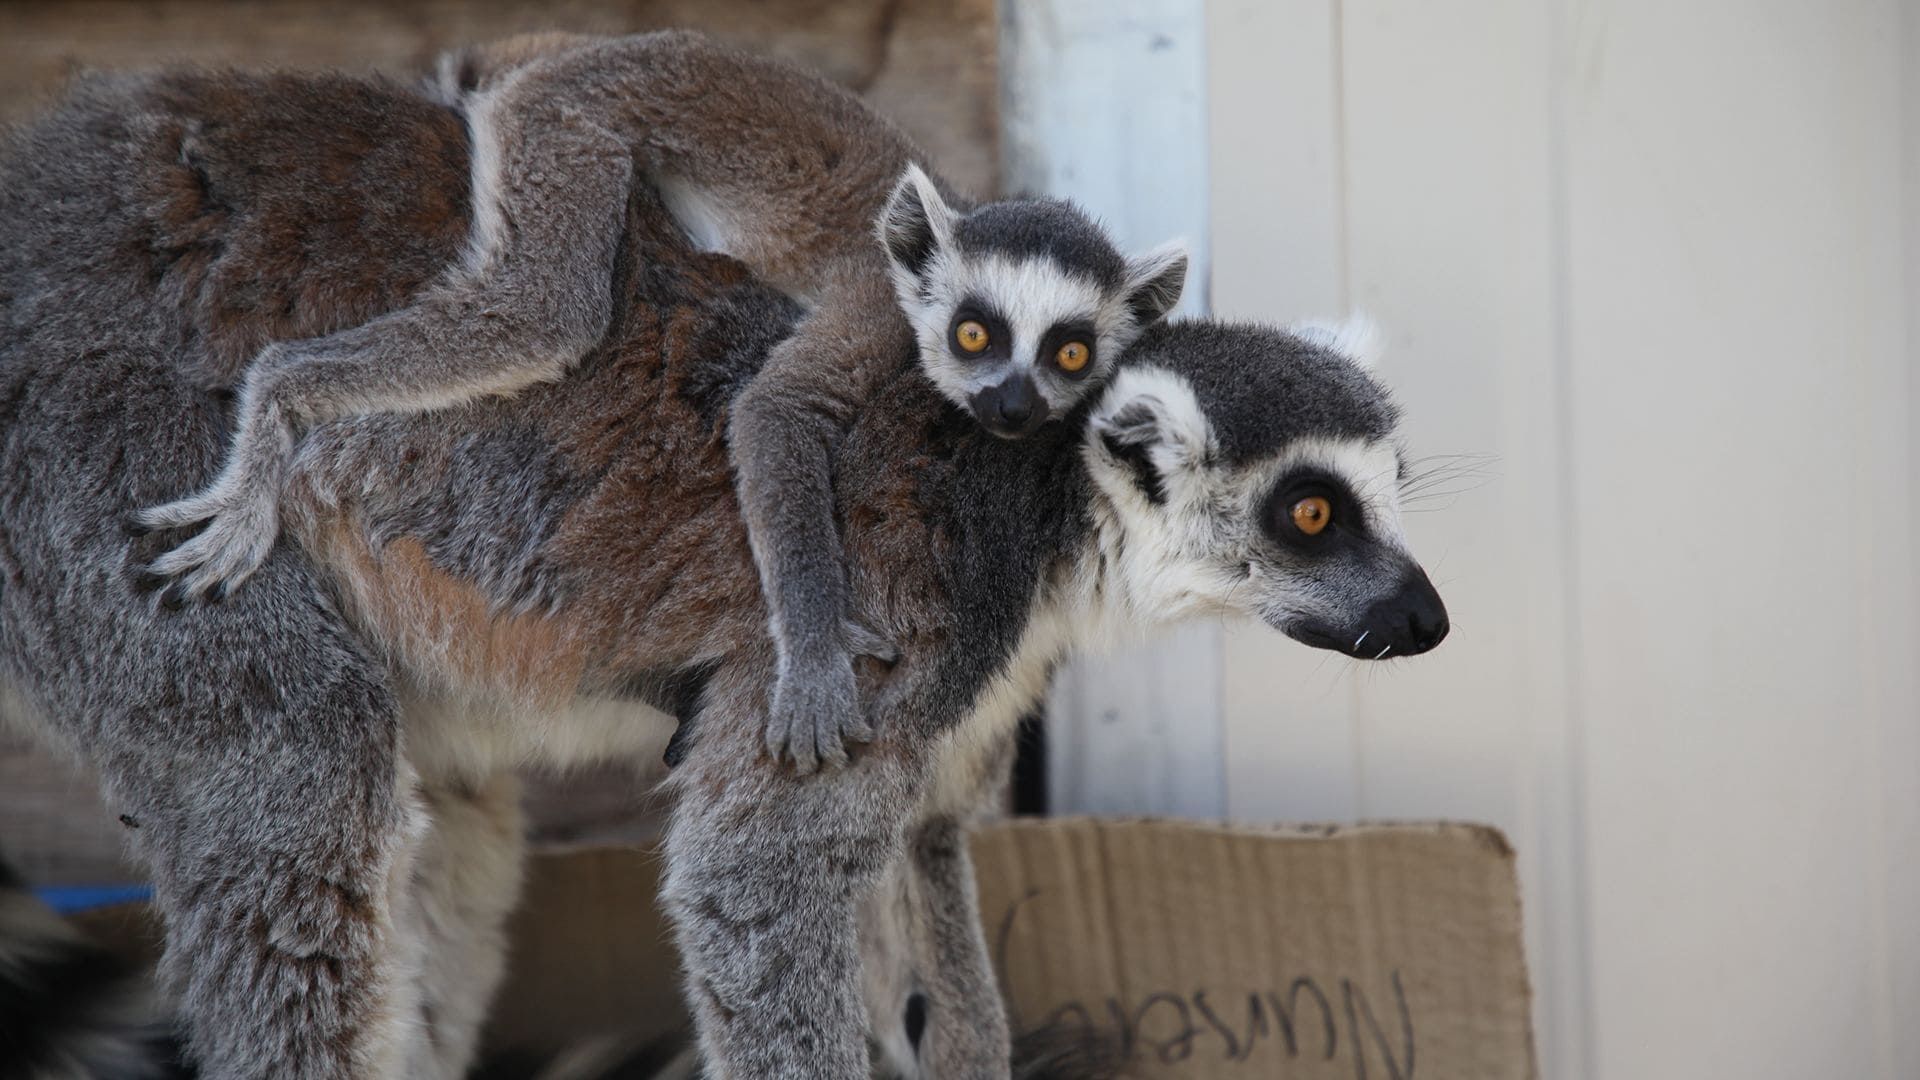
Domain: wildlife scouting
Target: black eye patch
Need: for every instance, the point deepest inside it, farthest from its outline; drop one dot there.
(999, 335)
(1061, 334)
(1308, 499)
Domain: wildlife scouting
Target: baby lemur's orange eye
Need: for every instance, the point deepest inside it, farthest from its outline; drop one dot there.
(1312, 514)
(970, 335)
(1072, 356)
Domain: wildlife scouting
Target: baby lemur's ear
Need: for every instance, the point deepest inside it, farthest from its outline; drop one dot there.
(915, 224)
(1154, 281)
(1148, 432)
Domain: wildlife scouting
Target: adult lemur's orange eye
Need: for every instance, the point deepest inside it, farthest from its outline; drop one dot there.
(970, 335)
(1312, 514)
(1072, 356)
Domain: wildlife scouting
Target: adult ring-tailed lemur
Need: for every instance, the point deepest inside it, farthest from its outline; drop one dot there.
(318, 768)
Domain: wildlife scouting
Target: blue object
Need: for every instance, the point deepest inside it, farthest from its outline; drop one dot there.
(68, 899)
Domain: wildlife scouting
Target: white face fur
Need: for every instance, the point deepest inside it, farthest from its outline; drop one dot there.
(1192, 534)
(1015, 338)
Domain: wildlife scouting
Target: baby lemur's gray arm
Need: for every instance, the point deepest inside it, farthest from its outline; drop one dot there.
(784, 427)
(533, 294)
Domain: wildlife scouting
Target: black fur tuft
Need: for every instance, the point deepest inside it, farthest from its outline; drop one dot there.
(1262, 388)
(1060, 1053)
(1044, 228)
(69, 1007)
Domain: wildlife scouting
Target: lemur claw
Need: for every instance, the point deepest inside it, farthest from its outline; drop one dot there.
(239, 530)
(816, 713)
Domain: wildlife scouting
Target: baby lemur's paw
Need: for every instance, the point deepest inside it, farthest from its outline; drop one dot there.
(816, 704)
(816, 712)
(241, 520)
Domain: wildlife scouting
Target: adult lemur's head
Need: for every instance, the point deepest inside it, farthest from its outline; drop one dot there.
(1020, 307)
(1255, 471)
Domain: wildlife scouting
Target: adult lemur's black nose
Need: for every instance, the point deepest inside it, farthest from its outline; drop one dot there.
(1427, 623)
(1413, 619)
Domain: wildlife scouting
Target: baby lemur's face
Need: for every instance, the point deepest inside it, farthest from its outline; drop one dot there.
(1020, 307)
(1256, 472)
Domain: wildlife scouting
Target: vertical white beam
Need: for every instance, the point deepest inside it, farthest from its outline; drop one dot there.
(1103, 102)
(1276, 189)
(1899, 752)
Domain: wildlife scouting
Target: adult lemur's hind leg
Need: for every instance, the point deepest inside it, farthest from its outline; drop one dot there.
(933, 1006)
(466, 880)
(766, 871)
(260, 781)
(965, 1020)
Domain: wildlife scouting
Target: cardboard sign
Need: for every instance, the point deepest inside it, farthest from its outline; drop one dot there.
(1383, 952)
(1387, 951)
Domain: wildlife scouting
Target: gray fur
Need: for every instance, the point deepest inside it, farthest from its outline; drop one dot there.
(560, 123)
(284, 757)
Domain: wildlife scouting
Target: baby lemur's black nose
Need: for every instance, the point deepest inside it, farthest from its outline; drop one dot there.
(1011, 408)
(1015, 412)
(1427, 624)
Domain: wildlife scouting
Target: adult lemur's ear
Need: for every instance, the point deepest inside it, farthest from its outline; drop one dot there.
(1154, 281)
(1358, 338)
(1148, 432)
(916, 223)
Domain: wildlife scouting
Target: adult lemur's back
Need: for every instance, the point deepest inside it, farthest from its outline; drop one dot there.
(244, 203)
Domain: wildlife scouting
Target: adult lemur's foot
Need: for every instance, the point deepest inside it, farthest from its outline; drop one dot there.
(816, 703)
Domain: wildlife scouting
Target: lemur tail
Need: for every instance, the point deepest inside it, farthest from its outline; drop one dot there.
(69, 1008)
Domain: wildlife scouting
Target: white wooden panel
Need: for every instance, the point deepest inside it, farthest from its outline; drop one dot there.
(1275, 183)
(1451, 243)
(1736, 324)
(1659, 260)
(1335, 185)
(1900, 749)
(1104, 103)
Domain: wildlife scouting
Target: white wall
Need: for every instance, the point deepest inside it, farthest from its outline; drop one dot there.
(1663, 260)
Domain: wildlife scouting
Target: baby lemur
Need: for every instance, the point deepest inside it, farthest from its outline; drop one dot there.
(1017, 308)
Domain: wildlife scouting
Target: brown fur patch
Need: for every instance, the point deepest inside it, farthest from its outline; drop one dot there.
(268, 191)
(441, 626)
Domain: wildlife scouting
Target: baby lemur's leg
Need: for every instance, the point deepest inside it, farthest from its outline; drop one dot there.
(766, 871)
(532, 295)
(466, 880)
(783, 430)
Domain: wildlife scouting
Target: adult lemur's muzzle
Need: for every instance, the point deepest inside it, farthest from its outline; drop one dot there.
(1410, 621)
